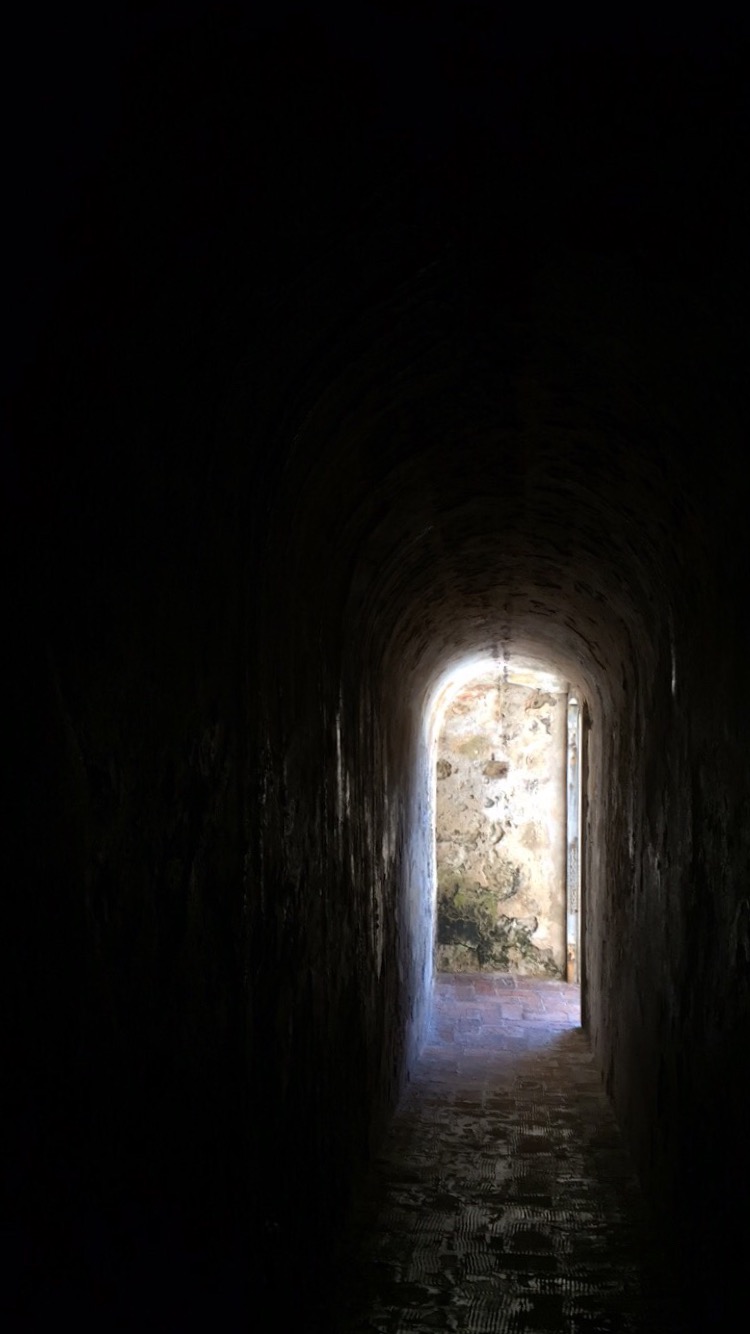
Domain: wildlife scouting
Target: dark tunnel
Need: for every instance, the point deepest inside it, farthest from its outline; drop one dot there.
(347, 350)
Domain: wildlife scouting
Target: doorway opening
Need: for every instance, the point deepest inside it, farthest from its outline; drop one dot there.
(508, 824)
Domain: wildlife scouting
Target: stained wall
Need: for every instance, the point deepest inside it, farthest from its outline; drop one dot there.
(501, 828)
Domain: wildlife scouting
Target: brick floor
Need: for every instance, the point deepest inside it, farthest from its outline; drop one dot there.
(502, 1202)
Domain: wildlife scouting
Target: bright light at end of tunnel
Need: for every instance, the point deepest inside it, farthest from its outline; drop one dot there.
(516, 669)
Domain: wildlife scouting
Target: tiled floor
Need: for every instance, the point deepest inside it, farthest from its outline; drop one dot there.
(502, 1202)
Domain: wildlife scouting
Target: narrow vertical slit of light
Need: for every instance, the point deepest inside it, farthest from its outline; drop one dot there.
(573, 840)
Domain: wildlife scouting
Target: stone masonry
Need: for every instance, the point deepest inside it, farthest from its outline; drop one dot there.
(500, 829)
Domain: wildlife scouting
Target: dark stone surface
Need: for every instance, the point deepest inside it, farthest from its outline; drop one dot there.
(339, 357)
(502, 1201)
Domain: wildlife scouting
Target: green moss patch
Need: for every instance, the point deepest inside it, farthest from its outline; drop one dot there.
(471, 936)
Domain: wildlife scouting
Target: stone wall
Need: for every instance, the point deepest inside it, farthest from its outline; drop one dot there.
(500, 829)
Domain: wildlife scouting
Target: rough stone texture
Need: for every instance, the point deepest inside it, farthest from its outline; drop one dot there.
(500, 829)
(341, 357)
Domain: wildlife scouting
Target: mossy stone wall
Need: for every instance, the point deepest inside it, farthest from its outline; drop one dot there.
(501, 829)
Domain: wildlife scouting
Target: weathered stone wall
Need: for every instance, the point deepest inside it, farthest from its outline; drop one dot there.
(500, 829)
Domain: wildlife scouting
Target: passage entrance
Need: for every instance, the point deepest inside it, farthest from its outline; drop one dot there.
(507, 826)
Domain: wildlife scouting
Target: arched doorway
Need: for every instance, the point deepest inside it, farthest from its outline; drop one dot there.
(507, 825)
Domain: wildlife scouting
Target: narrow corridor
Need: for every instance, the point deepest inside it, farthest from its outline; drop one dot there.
(359, 350)
(503, 1201)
